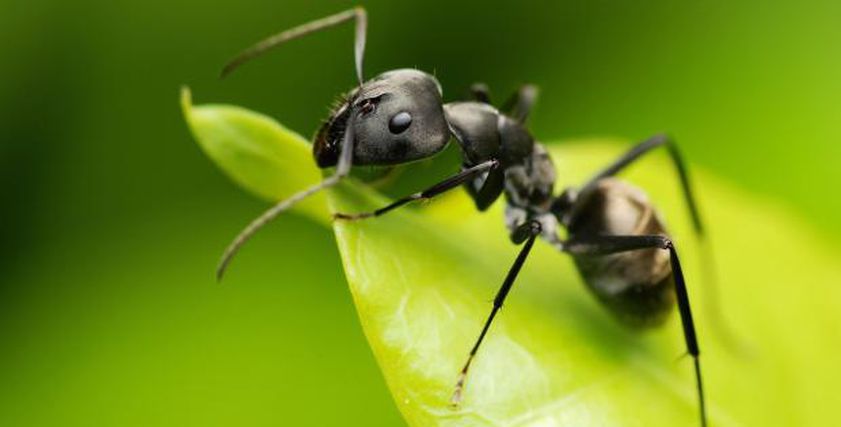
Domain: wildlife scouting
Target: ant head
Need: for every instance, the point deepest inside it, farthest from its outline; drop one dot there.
(397, 118)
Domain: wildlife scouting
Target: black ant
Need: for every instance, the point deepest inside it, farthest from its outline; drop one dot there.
(615, 236)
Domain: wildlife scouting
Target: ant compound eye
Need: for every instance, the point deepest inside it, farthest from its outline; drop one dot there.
(399, 122)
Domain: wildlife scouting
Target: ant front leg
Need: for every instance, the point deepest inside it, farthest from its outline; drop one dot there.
(605, 245)
(439, 188)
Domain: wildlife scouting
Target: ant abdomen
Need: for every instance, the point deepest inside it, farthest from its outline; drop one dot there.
(637, 286)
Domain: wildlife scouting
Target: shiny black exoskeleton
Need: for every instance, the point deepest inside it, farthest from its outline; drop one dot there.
(615, 236)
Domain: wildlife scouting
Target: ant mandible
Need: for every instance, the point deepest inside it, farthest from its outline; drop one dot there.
(618, 242)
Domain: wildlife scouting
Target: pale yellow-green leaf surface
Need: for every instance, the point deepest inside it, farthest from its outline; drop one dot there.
(255, 151)
(422, 279)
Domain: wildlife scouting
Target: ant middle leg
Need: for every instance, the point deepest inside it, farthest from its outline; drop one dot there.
(526, 232)
(439, 188)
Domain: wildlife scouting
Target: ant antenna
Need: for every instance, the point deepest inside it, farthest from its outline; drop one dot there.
(263, 46)
(342, 169)
(346, 155)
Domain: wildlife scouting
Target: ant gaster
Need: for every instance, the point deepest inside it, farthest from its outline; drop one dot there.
(616, 238)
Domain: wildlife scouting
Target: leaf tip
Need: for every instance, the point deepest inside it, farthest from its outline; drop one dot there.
(186, 100)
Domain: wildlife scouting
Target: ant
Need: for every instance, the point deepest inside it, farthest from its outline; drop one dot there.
(616, 238)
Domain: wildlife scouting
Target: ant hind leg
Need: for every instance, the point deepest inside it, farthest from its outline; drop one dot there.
(604, 245)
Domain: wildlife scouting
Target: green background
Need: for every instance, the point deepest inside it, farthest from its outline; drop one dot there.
(112, 219)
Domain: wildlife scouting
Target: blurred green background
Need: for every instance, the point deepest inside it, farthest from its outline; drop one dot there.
(112, 218)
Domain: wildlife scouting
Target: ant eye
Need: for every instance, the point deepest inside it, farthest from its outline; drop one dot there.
(400, 122)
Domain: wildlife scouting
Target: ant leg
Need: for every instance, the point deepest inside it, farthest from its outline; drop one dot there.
(484, 192)
(358, 13)
(642, 148)
(519, 104)
(441, 187)
(604, 245)
(480, 92)
(527, 232)
(729, 338)
(342, 169)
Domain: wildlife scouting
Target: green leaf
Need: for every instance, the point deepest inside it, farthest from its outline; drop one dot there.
(256, 152)
(422, 280)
